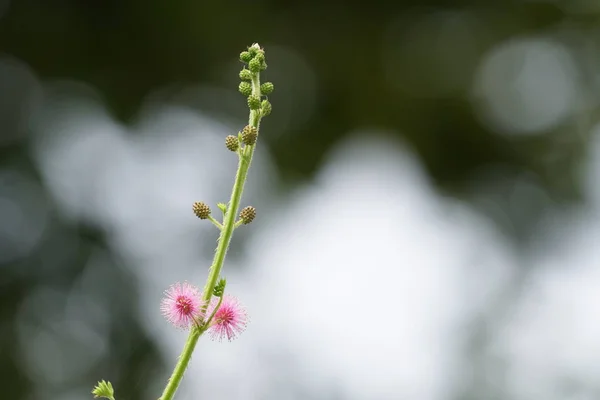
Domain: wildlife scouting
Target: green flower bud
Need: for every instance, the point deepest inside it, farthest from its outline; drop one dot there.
(245, 88)
(202, 210)
(249, 135)
(265, 108)
(246, 56)
(254, 65)
(248, 214)
(254, 102)
(267, 88)
(245, 75)
(232, 143)
(222, 206)
(254, 49)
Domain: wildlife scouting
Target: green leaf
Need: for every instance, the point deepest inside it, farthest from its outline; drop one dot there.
(104, 389)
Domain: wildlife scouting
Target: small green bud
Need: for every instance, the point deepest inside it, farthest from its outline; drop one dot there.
(222, 207)
(245, 75)
(253, 102)
(246, 56)
(254, 65)
(249, 135)
(245, 88)
(267, 88)
(232, 143)
(202, 210)
(220, 287)
(254, 49)
(265, 108)
(248, 214)
(104, 389)
(260, 56)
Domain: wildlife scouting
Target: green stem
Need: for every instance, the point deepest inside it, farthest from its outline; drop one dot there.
(214, 311)
(182, 363)
(245, 159)
(215, 222)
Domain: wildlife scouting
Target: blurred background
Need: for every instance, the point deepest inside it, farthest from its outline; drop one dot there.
(428, 214)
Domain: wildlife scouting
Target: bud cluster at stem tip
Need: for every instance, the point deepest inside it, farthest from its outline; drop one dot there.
(254, 60)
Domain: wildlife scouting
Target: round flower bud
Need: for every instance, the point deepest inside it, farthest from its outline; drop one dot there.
(260, 56)
(201, 210)
(267, 88)
(245, 88)
(265, 108)
(253, 102)
(232, 143)
(245, 75)
(253, 49)
(248, 214)
(249, 135)
(254, 65)
(245, 56)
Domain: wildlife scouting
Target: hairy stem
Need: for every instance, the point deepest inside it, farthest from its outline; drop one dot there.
(245, 159)
(182, 364)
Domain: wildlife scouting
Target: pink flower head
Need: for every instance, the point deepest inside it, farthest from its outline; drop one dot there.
(230, 319)
(181, 305)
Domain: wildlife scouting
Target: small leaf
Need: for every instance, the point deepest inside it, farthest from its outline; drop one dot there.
(104, 389)
(220, 287)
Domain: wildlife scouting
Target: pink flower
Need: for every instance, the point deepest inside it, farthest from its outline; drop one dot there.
(181, 305)
(230, 319)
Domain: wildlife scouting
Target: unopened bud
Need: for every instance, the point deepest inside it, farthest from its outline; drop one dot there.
(249, 135)
(201, 210)
(248, 214)
(255, 48)
(253, 102)
(265, 108)
(245, 75)
(245, 88)
(232, 143)
(255, 65)
(245, 56)
(267, 88)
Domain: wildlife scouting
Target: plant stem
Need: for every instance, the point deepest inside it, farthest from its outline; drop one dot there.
(245, 159)
(214, 311)
(182, 363)
(215, 222)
